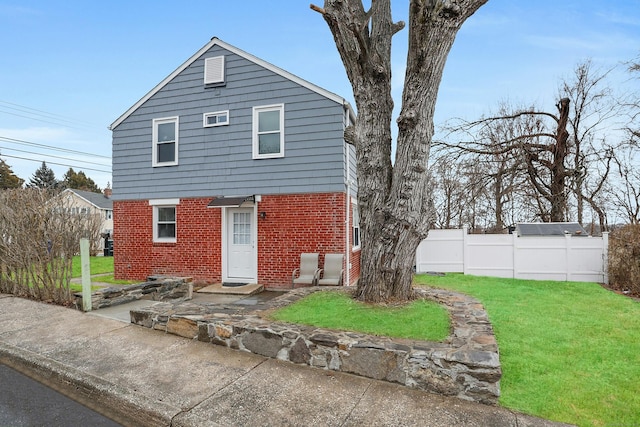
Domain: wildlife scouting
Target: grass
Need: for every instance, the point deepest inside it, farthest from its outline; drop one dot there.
(420, 320)
(98, 265)
(570, 351)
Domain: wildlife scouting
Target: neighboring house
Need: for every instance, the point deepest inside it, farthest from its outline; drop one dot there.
(88, 203)
(228, 170)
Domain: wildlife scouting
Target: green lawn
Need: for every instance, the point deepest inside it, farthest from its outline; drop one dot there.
(569, 351)
(97, 265)
(423, 320)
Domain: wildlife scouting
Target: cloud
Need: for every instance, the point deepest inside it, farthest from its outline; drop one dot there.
(568, 43)
(619, 19)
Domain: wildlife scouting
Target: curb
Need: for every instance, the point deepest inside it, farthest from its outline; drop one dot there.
(108, 399)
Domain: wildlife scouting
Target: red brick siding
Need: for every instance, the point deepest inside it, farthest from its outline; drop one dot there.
(354, 257)
(293, 224)
(196, 252)
(296, 224)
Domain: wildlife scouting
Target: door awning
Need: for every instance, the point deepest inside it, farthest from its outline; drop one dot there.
(223, 202)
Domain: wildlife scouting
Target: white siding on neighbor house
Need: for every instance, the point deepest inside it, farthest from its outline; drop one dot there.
(81, 206)
(217, 161)
(565, 258)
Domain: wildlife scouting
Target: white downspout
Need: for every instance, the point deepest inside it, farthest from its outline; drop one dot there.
(347, 228)
(348, 207)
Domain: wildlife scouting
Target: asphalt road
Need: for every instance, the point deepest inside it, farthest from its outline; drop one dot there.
(25, 402)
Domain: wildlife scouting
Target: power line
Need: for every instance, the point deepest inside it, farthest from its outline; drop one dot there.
(50, 147)
(51, 155)
(40, 120)
(36, 112)
(54, 163)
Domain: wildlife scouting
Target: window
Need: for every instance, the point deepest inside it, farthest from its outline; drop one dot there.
(164, 220)
(268, 131)
(165, 141)
(108, 214)
(219, 118)
(355, 224)
(241, 228)
(214, 70)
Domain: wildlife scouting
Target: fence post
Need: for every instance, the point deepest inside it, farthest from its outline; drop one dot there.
(465, 250)
(514, 253)
(86, 274)
(605, 257)
(567, 242)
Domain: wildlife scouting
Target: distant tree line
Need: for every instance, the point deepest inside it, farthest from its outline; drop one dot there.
(45, 178)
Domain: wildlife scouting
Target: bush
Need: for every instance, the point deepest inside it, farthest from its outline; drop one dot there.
(624, 259)
(39, 235)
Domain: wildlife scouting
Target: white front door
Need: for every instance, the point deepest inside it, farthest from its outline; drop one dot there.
(240, 245)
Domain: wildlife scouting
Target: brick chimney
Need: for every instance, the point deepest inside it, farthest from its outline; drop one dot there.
(107, 192)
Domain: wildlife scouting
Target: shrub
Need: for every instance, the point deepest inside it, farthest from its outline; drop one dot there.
(624, 259)
(39, 234)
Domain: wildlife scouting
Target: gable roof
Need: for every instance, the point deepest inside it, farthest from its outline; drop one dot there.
(550, 229)
(217, 42)
(98, 200)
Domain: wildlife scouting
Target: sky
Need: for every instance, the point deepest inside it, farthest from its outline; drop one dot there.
(68, 69)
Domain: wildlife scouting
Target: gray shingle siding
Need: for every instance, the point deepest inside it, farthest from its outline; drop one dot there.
(218, 160)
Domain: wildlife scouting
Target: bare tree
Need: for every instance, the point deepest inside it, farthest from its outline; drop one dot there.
(634, 102)
(393, 197)
(448, 192)
(540, 140)
(593, 108)
(626, 195)
(624, 191)
(39, 234)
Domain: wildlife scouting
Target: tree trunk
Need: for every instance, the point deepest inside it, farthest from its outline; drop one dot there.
(393, 199)
(558, 197)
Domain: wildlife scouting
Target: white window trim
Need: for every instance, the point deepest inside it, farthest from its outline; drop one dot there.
(156, 122)
(156, 238)
(205, 116)
(256, 111)
(354, 206)
(163, 203)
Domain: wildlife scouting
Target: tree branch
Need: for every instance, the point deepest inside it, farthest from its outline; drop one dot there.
(317, 9)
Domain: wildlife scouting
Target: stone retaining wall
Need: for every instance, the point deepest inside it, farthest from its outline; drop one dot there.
(155, 288)
(465, 365)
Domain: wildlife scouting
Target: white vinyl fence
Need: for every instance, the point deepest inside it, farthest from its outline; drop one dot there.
(566, 258)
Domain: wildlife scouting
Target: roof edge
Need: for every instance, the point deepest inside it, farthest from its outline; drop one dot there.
(71, 190)
(216, 41)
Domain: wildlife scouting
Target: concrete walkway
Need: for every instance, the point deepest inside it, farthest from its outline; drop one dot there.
(144, 377)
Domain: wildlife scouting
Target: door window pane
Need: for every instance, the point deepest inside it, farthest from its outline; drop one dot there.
(241, 228)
